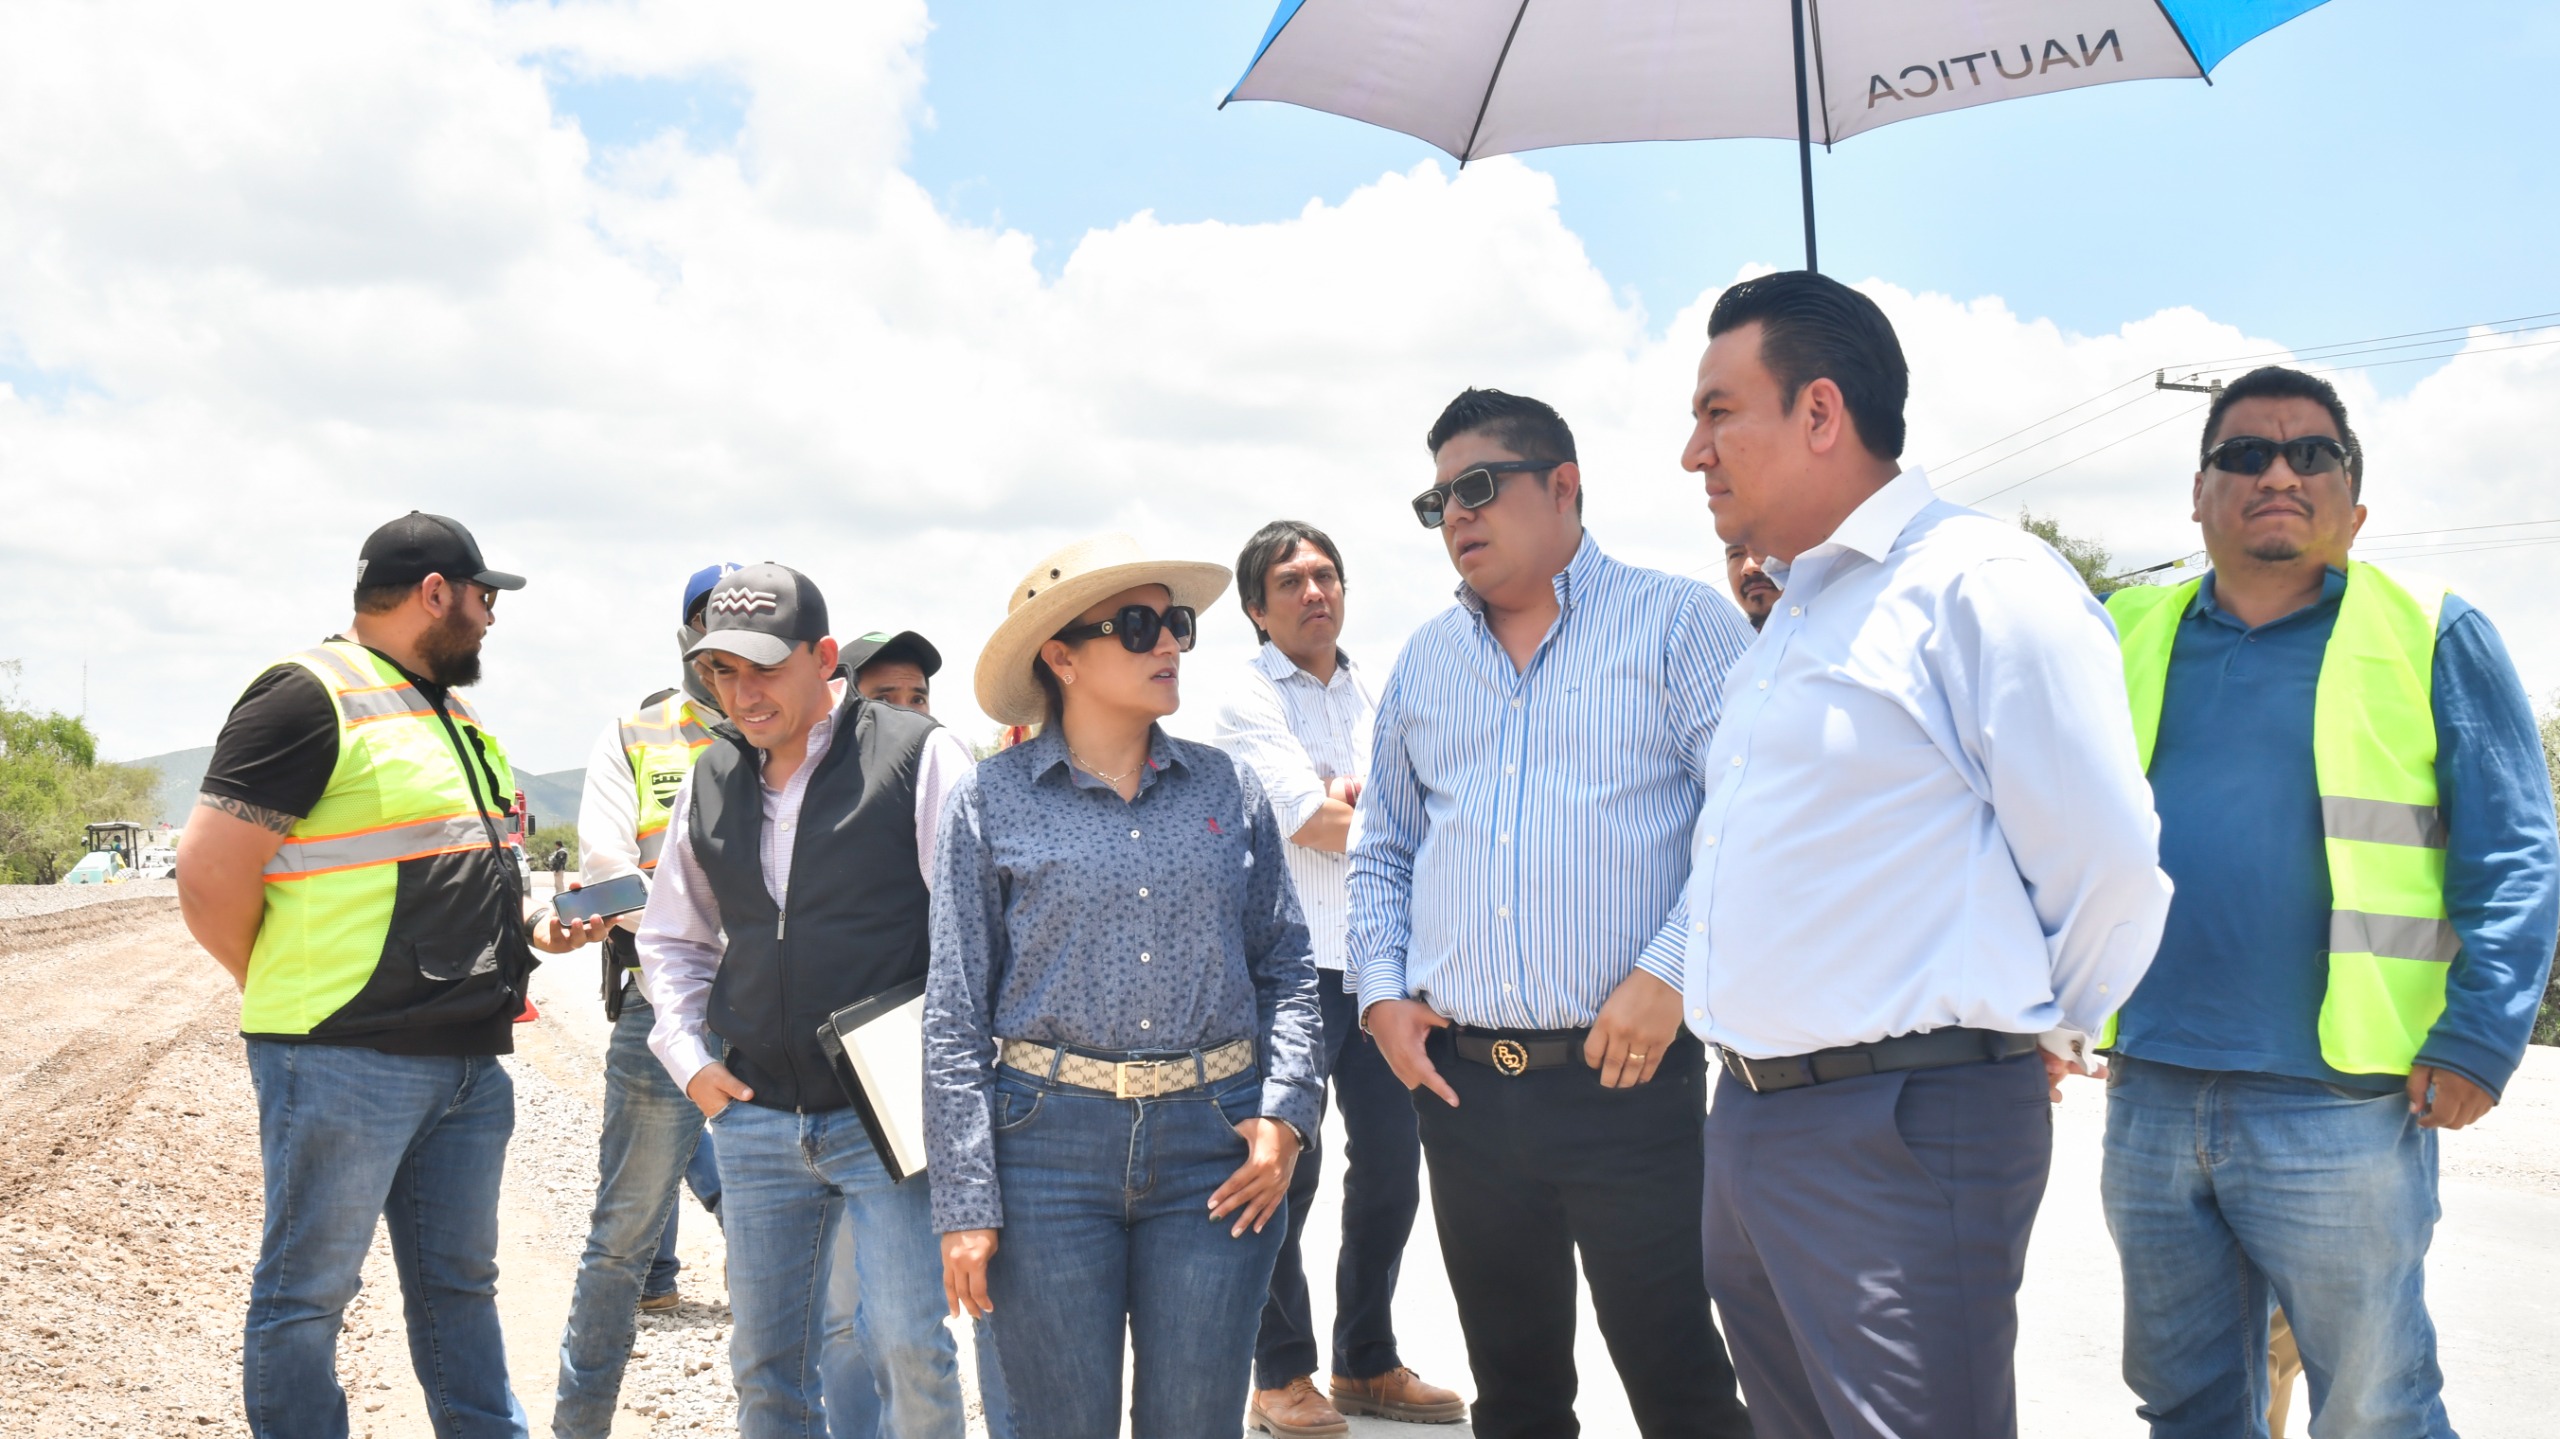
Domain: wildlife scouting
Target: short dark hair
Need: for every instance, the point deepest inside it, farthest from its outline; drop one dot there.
(1812, 327)
(2275, 382)
(1270, 545)
(1528, 428)
(383, 599)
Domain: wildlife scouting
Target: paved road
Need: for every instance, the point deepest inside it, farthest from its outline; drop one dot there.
(2495, 1256)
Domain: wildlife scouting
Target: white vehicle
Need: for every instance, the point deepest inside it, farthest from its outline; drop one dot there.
(157, 863)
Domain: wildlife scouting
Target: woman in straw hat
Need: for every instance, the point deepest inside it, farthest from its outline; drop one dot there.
(1120, 1021)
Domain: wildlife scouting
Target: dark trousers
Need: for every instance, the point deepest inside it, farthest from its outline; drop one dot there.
(1528, 1169)
(1865, 1240)
(1381, 1189)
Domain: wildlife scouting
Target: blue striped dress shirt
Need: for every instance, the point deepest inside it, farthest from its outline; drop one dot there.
(1525, 832)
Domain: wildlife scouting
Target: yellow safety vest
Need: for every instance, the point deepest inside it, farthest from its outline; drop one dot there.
(341, 948)
(2373, 747)
(661, 741)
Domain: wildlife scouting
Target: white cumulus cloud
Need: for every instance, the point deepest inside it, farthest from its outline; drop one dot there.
(281, 271)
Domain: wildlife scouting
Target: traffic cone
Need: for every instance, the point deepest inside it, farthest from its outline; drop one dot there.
(530, 1013)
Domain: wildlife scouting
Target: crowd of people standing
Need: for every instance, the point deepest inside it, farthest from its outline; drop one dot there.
(1731, 947)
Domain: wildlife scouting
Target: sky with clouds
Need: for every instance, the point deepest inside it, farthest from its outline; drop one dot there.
(632, 287)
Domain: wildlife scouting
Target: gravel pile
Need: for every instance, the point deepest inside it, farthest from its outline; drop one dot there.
(21, 901)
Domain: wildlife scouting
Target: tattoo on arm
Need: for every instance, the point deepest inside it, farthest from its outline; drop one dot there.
(275, 821)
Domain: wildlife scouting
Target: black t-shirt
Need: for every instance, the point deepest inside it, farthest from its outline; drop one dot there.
(277, 751)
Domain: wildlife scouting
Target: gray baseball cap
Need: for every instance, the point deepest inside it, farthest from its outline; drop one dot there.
(760, 614)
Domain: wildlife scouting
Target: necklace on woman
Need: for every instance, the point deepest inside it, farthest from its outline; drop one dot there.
(1098, 772)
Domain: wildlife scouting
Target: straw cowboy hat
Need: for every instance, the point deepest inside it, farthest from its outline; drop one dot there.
(1059, 588)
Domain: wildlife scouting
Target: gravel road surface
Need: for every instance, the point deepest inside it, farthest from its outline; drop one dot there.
(129, 1212)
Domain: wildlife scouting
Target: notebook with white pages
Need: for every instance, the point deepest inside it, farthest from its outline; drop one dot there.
(877, 1048)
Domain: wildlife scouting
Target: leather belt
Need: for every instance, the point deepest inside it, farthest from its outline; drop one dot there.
(1937, 1049)
(1515, 1052)
(1127, 1078)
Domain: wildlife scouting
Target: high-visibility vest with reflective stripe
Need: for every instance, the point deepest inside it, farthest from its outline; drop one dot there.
(399, 792)
(2373, 747)
(661, 741)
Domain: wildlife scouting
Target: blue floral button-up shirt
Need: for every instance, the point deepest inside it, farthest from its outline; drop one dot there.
(1063, 914)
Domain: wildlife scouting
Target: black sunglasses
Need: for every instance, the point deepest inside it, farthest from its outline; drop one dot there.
(1137, 626)
(2252, 455)
(1472, 489)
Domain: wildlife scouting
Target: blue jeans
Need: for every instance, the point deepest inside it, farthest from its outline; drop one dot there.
(1381, 1191)
(702, 1176)
(1106, 1228)
(349, 1136)
(2227, 1190)
(798, 1191)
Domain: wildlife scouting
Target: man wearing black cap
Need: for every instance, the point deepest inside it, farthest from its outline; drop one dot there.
(894, 669)
(346, 863)
(793, 884)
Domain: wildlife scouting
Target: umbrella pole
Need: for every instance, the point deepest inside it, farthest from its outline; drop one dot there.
(1804, 140)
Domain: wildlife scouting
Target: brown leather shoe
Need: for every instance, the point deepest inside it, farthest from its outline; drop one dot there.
(1296, 1411)
(1399, 1394)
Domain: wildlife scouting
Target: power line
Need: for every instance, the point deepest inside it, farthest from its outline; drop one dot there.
(2451, 529)
(2314, 351)
(2049, 439)
(2049, 419)
(2075, 459)
(2462, 335)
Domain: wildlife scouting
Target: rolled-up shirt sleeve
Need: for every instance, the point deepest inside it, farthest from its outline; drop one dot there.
(1252, 727)
(969, 944)
(680, 947)
(2035, 683)
(1279, 956)
(1381, 885)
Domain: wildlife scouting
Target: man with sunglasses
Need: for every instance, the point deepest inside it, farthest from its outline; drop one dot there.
(1517, 929)
(346, 863)
(792, 884)
(2354, 808)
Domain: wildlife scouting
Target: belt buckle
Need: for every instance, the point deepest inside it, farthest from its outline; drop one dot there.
(1152, 1088)
(1740, 1064)
(1510, 1057)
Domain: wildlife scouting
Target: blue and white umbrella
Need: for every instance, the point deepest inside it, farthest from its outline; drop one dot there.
(1490, 77)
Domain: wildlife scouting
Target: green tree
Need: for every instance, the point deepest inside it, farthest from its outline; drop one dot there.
(52, 787)
(2092, 559)
(538, 848)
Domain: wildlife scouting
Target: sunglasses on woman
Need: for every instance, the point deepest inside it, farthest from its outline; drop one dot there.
(2253, 455)
(1472, 489)
(1137, 626)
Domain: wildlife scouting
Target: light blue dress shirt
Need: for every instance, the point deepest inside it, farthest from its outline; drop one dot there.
(1927, 809)
(1525, 831)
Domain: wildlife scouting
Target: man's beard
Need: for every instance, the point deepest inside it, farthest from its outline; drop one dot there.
(2275, 551)
(1759, 621)
(451, 652)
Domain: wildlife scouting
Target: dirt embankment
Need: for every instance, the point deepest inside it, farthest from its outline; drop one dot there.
(130, 1198)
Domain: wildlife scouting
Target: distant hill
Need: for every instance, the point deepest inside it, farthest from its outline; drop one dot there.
(181, 775)
(554, 796)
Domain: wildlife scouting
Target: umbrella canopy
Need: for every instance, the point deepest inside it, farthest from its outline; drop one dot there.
(1490, 77)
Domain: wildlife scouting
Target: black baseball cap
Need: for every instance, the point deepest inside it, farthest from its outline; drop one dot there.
(419, 544)
(906, 645)
(760, 614)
